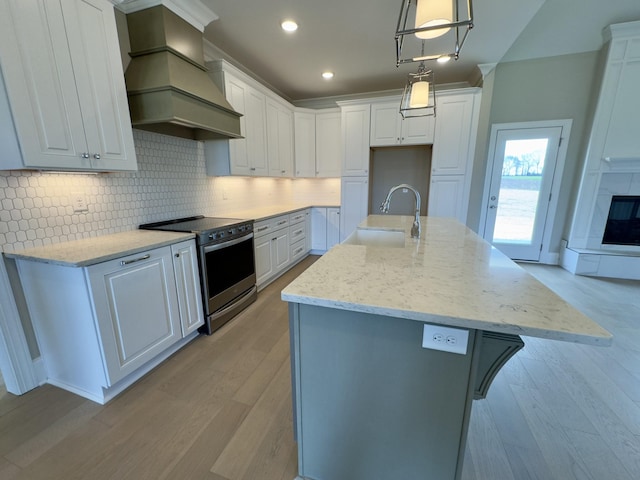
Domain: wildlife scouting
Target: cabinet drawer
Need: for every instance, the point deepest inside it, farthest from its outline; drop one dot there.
(269, 225)
(298, 250)
(297, 232)
(297, 217)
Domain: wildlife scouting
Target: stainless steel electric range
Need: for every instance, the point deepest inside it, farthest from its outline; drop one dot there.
(227, 264)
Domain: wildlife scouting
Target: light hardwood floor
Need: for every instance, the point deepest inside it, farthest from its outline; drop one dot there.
(220, 409)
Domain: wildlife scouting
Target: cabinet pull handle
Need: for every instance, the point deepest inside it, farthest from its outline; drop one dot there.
(96, 156)
(262, 229)
(134, 260)
(282, 222)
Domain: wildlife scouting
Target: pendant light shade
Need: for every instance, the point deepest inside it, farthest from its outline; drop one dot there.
(440, 27)
(418, 98)
(419, 95)
(430, 13)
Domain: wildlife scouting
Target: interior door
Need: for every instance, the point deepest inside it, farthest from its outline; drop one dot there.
(522, 167)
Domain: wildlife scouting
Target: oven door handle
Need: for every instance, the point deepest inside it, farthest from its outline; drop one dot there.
(235, 241)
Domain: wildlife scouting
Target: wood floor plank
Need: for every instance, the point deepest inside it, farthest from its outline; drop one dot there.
(598, 457)
(507, 416)
(488, 453)
(560, 456)
(270, 457)
(33, 448)
(527, 463)
(232, 463)
(21, 424)
(556, 396)
(263, 375)
(207, 447)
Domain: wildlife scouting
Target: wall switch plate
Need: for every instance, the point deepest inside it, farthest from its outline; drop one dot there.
(447, 339)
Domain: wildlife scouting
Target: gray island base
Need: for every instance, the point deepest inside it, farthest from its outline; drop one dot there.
(370, 402)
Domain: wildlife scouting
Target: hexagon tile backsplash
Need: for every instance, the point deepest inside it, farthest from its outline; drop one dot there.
(171, 181)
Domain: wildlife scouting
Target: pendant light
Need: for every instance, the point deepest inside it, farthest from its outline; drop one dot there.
(443, 24)
(418, 98)
(431, 13)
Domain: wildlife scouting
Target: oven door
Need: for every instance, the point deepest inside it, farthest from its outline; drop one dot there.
(228, 270)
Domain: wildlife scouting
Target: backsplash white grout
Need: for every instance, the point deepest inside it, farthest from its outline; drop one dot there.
(171, 182)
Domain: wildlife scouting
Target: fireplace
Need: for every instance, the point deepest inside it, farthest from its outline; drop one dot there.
(623, 222)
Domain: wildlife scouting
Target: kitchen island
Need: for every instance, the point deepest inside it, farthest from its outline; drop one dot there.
(393, 337)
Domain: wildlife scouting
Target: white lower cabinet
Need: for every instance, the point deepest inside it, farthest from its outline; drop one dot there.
(271, 243)
(187, 276)
(102, 327)
(279, 243)
(325, 228)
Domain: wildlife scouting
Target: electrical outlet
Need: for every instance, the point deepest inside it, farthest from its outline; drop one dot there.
(447, 339)
(79, 202)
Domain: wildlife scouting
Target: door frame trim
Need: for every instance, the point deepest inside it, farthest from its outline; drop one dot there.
(546, 255)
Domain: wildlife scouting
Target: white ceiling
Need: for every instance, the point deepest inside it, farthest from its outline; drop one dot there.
(355, 39)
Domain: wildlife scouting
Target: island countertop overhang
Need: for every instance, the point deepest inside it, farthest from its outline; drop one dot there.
(449, 276)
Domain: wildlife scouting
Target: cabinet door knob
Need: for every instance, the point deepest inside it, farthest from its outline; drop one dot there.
(177, 255)
(96, 156)
(84, 155)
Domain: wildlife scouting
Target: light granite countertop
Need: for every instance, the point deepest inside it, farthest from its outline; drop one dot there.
(89, 251)
(449, 276)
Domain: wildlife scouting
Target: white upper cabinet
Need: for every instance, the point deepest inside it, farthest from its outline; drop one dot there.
(355, 140)
(389, 128)
(266, 125)
(305, 143)
(455, 132)
(65, 86)
(318, 144)
(241, 156)
(279, 139)
(328, 144)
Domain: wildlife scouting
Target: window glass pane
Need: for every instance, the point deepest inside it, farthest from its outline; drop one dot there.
(519, 190)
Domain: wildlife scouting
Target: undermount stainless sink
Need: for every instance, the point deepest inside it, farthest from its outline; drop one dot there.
(376, 238)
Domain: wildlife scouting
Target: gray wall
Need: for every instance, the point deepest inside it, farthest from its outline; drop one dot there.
(562, 87)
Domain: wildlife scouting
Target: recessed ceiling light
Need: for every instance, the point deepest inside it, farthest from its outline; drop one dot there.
(327, 75)
(289, 26)
(443, 59)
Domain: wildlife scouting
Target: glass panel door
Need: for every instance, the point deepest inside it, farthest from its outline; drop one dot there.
(522, 173)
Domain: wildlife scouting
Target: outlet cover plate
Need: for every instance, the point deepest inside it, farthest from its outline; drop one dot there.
(447, 339)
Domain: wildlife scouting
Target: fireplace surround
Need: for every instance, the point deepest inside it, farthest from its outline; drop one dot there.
(611, 168)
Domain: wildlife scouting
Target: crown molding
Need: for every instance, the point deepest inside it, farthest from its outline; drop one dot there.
(192, 11)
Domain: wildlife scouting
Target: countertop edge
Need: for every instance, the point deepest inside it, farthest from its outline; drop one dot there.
(574, 337)
(155, 241)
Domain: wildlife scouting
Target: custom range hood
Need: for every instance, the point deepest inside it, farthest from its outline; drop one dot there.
(168, 87)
